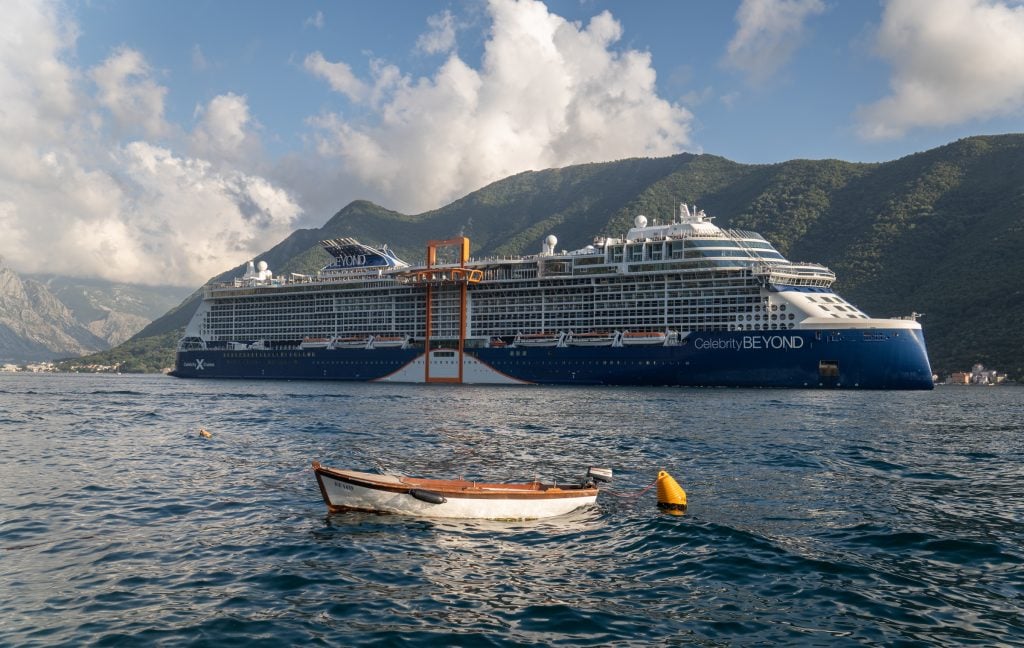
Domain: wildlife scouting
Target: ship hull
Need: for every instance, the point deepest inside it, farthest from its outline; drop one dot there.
(828, 359)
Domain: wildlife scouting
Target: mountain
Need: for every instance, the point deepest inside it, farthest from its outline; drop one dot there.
(43, 317)
(112, 311)
(937, 232)
(35, 325)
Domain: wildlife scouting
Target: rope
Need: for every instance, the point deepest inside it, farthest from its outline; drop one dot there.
(644, 490)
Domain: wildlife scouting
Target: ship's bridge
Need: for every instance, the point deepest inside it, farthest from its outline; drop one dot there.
(777, 275)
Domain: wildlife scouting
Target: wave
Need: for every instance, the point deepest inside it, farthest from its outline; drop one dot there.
(117, 392)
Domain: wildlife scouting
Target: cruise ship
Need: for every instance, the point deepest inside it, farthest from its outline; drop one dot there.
(683, 302)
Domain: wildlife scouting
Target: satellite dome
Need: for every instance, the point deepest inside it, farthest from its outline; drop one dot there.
(262, 265)
(640, 221)
(552, 241)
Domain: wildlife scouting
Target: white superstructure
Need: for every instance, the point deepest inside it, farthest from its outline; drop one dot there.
(658, 282)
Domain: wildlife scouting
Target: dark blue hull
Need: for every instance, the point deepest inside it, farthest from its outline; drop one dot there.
(847, 359)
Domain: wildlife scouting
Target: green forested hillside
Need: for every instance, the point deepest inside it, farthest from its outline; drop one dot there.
(939, 232)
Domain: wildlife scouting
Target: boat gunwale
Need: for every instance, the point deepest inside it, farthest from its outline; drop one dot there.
(456, 488)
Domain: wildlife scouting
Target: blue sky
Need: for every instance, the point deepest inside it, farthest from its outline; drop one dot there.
(162, 142)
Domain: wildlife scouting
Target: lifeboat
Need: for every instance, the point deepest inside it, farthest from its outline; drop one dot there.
(315, 343)
(592, 339)
(356, 342)
(538, 339)
(390, 341)
(636, 338)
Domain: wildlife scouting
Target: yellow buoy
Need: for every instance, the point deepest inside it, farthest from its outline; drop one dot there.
(671, 496)
(203, 432)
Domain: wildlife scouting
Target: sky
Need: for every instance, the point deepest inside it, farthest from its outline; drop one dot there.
(156, 142)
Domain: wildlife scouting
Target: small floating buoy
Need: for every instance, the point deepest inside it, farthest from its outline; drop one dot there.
(671, 496)
(206, 434)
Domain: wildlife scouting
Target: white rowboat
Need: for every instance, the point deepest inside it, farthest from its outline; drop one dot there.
(351, 490)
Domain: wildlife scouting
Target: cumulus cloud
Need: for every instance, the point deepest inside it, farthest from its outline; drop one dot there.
(150, 217)
(202, 216)
(75, 199)
(549, 93)
(224, 130)
(127, 90)
(339, 76)
(952, 61)
(769, 32)
(95, 181)
(36, 89)
(441, 37)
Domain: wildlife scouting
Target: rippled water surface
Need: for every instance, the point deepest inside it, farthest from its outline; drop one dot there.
(815, 517)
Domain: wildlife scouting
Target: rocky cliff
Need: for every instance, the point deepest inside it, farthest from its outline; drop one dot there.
(48, 317)
(35, 325)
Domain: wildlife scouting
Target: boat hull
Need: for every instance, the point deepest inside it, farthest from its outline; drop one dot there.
(348, 490)
(833, 359)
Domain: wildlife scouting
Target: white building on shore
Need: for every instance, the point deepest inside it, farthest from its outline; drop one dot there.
(978, 375)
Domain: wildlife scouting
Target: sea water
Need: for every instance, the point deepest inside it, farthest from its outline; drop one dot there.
(815, 517)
